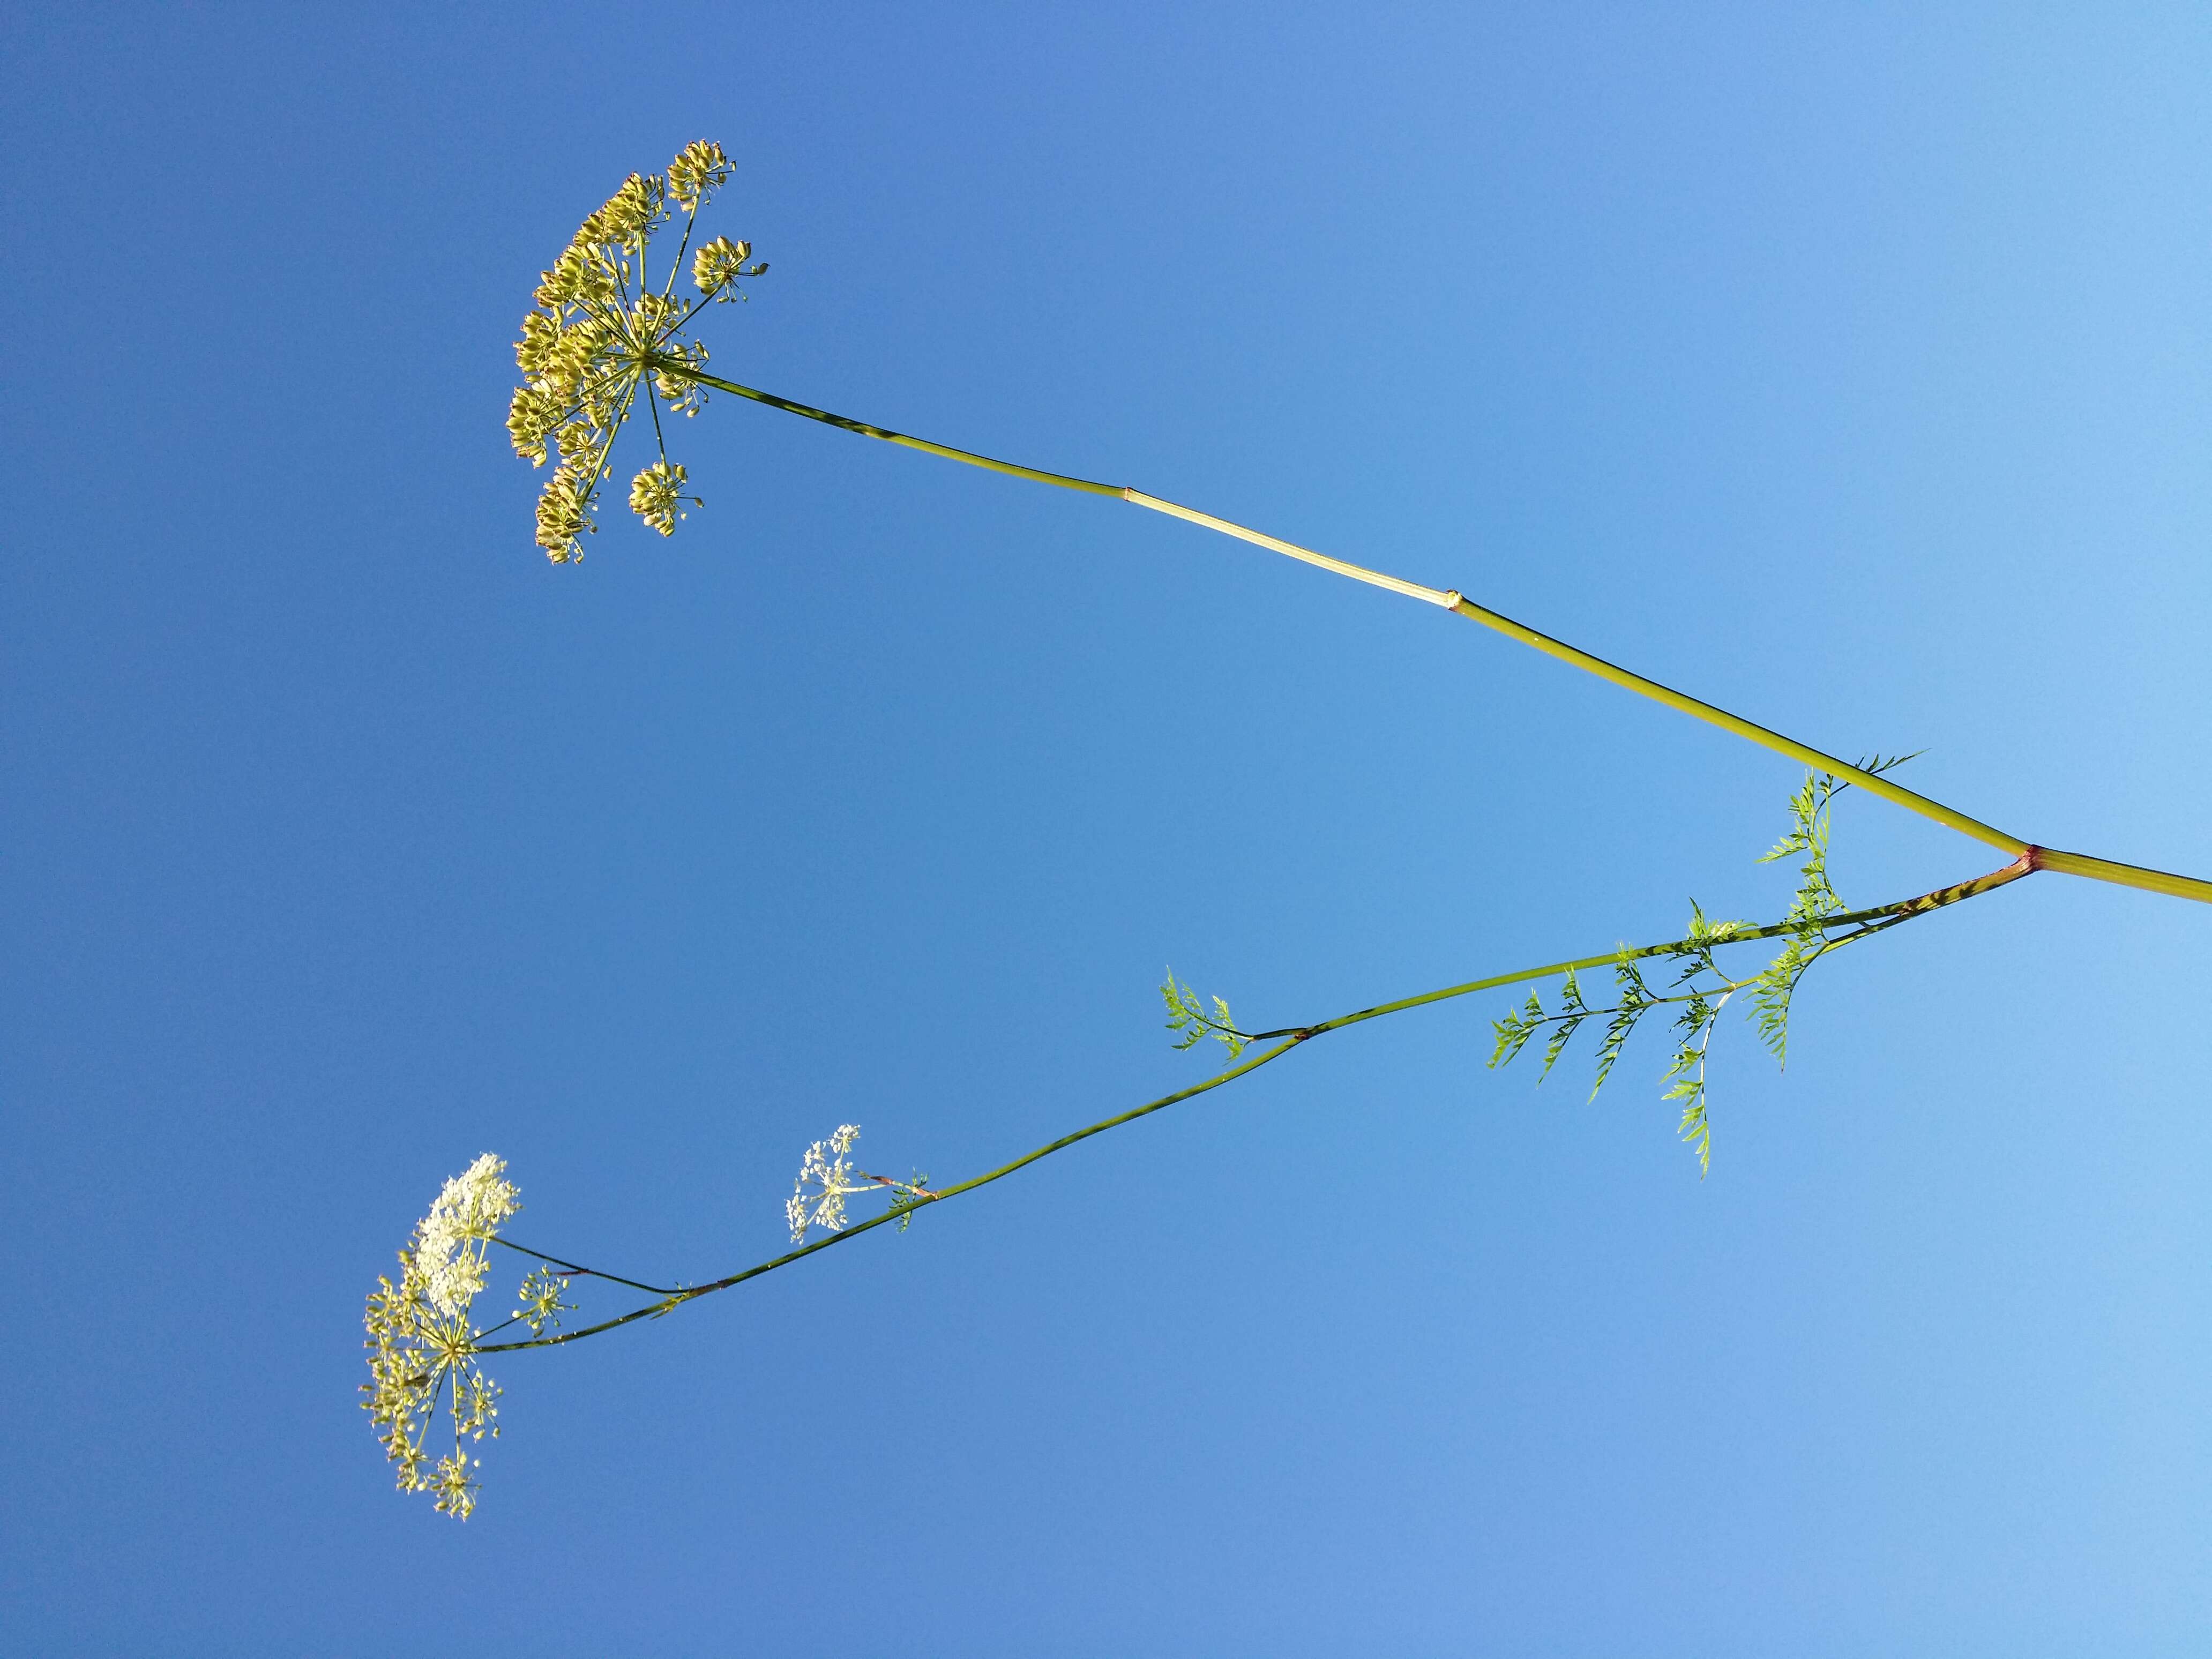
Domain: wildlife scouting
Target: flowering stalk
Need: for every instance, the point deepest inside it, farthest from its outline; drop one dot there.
(425, 1352)
(600, 338)
(598, 334)
(2076, 864)
(909, 1198)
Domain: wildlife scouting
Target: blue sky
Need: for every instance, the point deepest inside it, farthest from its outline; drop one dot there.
(1848, 367)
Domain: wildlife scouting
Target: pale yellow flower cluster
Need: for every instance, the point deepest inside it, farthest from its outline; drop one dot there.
(716, 267)
(421, 1345)
(540, 1297)
(599, 332)
(818, 1197)
(697, 174)
(655, 494)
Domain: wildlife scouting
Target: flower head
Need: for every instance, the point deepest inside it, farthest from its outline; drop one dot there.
(600, 330)
(818, 1197)
(449, 1242)
(656, 493)
(717, 266)
(697, 174)
(540, 1297)
(422, 1348)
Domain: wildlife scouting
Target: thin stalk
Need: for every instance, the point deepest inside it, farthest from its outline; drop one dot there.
(576, 1268)
(2072, 864)
(1901, 910)
(678, 367)
(1727, 987)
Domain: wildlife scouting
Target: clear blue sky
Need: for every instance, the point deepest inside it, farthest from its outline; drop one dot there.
(1849, 367)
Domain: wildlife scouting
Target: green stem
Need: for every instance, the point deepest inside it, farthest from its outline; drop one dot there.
(678, 367)
(2125, 875)
(573, 1267)
(2072, 864)
(1901, 910)
(1872, 782)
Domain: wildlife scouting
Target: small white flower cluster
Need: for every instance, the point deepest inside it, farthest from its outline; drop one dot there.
(818, 1197)
(449, 1245)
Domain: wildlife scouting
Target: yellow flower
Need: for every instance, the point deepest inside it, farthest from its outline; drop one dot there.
(456, 1490)
(655, 494)
(540, 1297)
(697, 174)
(717, 265)
(601, 328)
(564, 514)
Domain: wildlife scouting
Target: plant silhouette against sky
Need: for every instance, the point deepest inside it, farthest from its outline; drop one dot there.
(605, 335)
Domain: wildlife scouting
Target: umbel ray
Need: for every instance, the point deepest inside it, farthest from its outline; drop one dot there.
(610, 336)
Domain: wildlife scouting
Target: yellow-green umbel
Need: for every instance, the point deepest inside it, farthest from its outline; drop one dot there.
(599, 332)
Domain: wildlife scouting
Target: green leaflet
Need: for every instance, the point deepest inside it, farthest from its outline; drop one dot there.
(1187, 1017)
(1701, 986)
(1634, 997)
(907, 1197)
(1515, 1029)
(1573, 1011)
(1686, 1076)
(1815, 900)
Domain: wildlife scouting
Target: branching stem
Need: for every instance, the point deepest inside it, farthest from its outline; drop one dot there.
(1879, 916)
(2072, 864)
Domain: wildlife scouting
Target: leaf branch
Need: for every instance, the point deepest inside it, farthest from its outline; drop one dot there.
(1292, 1037)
